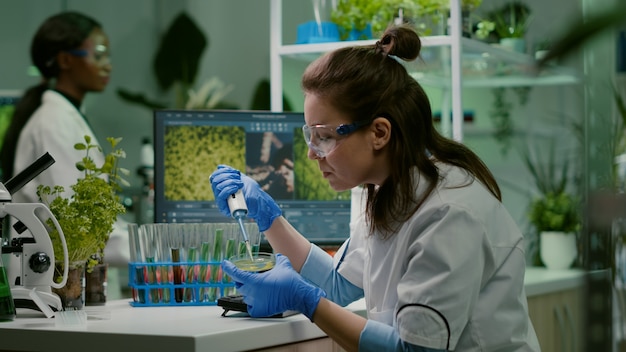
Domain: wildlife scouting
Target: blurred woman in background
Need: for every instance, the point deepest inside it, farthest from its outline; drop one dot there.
(71, 52)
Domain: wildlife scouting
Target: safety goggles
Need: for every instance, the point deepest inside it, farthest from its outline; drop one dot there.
(323, 139)
(101, 54)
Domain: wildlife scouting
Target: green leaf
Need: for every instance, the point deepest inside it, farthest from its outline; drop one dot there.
(87, 216)
(179, 53)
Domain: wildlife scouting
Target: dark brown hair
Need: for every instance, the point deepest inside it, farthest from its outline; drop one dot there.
(368, 82)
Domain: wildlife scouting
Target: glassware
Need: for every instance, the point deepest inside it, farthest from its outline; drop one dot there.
(175, 239)
(260, 262)
(164, 256)
(148, 246)
(7, 306)
(231, 248)
(207, 238)
(139, 295)
(191, 246)
(216, 256)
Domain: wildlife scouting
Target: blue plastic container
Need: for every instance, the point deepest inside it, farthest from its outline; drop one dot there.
(311, 32)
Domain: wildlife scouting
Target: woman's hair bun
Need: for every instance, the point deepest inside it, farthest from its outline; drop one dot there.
(401, 41)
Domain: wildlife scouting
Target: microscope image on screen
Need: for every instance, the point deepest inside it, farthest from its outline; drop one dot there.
(267, 146)
(269, 161)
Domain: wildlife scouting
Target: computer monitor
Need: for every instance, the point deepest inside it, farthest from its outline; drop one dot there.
(8, 100)
(267, 146)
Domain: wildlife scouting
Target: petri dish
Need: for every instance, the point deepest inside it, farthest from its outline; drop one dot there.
(260, 262)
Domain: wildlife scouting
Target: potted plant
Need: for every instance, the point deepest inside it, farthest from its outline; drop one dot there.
(364, 19)
(555, 212)
(86, 216)
(506, 25)
(602, 227)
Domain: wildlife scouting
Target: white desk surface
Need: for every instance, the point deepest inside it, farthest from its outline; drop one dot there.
(195, 328)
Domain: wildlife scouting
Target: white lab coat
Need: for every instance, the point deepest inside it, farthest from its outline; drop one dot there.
(452, 277)
(54, 128)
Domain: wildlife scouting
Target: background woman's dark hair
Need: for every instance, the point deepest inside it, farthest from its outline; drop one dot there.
(64, 31)
(369, 82)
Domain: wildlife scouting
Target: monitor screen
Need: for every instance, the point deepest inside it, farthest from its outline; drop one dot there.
(8, 100)
(268, 146)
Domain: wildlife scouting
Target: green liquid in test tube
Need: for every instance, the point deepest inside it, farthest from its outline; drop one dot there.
(7, 307)
(152, 279)
(190, 275)
(216, 257)
(205, 249)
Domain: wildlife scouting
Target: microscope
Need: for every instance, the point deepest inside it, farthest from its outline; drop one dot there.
(32, 244)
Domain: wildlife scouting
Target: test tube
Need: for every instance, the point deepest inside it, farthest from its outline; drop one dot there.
(254, 236)
(216, 258)
(232, 236)
(175, 243)
(148, 251)
(163, 256)
(191, 243)
(207, 237)
(139, 295)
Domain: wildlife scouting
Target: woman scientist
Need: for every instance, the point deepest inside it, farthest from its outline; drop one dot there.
(435, 254)
(71, 51)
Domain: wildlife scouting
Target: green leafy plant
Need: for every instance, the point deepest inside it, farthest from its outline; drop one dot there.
(357, 14)
(508, 21)
(87, 216)
(500, 115)
(555, 208)
(555, 212)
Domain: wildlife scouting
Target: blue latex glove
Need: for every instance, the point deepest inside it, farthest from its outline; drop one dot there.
(226, 181)
(275, 291)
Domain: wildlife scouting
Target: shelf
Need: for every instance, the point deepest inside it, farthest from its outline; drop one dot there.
(301, 50)
(482, 65)
(450, 62)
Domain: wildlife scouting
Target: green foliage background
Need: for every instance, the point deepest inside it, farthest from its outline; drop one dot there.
(189, 159)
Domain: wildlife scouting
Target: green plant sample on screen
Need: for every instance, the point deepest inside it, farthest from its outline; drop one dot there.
(190, 159)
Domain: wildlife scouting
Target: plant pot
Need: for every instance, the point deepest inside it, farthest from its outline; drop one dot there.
(96, 285)
(557, 249)
(514, 44)
(72, 293)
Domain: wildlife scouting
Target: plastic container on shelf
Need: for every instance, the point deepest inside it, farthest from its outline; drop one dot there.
(313, 32)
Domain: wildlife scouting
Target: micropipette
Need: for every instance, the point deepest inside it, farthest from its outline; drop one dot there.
(239, 210)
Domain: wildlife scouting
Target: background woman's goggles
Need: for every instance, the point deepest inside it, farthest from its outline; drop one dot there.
(100, 53)
(322, 139)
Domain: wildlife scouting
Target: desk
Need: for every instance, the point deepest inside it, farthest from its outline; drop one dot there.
(196, 328)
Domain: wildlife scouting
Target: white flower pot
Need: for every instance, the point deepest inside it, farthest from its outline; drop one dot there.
(557, 249)
(514, 44)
